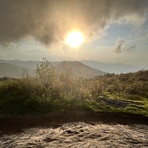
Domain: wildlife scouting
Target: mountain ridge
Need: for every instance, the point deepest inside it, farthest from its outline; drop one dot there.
(11, 70)
(116, 68)
(77, 69)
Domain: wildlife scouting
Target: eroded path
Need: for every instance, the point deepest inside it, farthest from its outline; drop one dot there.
(79, 135)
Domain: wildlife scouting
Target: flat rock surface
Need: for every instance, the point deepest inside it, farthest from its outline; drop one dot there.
(117, 103)
(79, 135)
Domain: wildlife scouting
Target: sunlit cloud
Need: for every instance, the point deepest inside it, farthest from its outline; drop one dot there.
(48, 21)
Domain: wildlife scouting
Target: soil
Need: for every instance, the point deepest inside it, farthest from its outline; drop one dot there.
(12, 124)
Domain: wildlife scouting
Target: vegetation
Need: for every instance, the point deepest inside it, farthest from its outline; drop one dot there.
(49, 92)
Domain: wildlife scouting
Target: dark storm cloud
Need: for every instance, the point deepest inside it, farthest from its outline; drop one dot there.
(49, 20)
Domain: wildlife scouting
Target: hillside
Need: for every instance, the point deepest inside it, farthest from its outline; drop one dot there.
(116, 68)
(132, 86)
(77, 69)
(27, 64)
(19, 63)
(10, 70)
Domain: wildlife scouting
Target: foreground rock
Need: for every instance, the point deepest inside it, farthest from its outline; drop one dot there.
(79, 135)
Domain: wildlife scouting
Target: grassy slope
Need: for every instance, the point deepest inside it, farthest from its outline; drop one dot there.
(31, 96)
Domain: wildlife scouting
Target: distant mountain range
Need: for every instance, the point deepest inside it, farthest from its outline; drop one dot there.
(27, 64)
(146, 67)
(11, 70)
(116, 68)
(85, 68)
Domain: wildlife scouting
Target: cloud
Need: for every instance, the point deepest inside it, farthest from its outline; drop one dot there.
(122, 45)
(129, 48)
(49, 21)
(119, 46)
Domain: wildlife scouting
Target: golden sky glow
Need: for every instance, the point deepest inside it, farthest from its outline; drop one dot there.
(74, 38)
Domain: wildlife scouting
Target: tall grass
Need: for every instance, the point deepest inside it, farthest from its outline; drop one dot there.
(44, 92)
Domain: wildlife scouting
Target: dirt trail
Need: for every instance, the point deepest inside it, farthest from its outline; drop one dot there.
(14, 124)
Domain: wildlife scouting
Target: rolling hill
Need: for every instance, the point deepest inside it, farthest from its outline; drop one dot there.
(116, 68)
(85, 68)
(77, 69)
(27, 64)
(10, 70)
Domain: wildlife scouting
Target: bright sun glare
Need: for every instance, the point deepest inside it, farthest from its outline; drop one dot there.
(74, 39)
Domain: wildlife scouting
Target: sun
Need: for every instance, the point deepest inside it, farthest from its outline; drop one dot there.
(74, 38)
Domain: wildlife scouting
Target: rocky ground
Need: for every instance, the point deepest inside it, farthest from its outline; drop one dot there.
(79, 135)
(77, 130)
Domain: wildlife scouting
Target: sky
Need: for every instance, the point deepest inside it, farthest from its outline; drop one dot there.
(115, 31)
